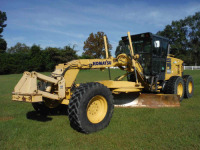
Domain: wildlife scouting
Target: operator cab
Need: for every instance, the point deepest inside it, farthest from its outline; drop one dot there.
(152, 49)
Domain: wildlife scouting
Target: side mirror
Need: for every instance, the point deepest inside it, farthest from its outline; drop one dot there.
(157, 44)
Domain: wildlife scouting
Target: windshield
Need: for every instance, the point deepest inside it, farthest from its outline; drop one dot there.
(142, 46)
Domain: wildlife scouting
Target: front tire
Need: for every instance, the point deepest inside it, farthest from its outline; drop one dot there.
(90, 108)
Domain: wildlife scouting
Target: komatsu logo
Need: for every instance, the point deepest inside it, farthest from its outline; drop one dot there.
(102, 63)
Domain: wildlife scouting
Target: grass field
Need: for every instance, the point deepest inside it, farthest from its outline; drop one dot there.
(137, 128)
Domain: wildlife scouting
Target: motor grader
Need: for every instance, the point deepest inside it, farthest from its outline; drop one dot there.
(155, 76)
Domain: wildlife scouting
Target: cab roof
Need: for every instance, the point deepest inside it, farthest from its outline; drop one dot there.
(144, 35)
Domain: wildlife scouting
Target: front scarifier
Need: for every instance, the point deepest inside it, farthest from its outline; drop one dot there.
(154, 79)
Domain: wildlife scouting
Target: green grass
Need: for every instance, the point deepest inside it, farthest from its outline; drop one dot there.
(136, 128)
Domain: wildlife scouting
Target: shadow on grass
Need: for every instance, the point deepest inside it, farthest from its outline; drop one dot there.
(44, 116)
(34, 115)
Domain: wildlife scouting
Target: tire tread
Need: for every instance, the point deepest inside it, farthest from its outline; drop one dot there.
(75, 102)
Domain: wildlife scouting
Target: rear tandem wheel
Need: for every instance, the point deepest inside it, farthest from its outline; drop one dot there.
(189, 86)
(175, 85)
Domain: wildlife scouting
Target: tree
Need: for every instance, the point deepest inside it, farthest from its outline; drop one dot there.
(19, 48)
(193, 25)
(83, 56)
(3, 18)
(36, 62)
(22, 58)
(35, 50)
(3, 45)
(94, 45)
(54, 56)
(177, 34)
(184, 36)
(68, 54)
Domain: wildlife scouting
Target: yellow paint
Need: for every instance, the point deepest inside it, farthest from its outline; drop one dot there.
(127, 90)
(124, 60)
(106, 45)
(70, 77)
(190, 87)
(120, 84)
(132, 53)
(97, 109)
(180, 89)
(37, 98)
(27, 84)
(176, 68)
(27, 98)
(65, 102)
(130, 43)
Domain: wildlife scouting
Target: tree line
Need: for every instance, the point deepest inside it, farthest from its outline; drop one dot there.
(22, 58)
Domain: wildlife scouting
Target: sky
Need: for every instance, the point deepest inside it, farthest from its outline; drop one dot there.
(58, 23)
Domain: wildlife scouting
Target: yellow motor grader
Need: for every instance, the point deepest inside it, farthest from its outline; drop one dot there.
(153, 75)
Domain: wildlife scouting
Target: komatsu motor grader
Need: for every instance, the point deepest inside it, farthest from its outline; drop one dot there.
(154, 75)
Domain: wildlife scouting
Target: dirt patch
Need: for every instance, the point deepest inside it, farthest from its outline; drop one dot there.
(6, 118)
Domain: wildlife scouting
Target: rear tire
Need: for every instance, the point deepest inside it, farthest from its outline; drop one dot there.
(90, 108)
(189, 86)
(41, 108)
(175, 85)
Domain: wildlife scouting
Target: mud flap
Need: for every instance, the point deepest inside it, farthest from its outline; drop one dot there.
(147, 100)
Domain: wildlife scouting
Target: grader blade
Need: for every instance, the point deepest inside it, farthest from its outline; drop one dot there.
(148, 100)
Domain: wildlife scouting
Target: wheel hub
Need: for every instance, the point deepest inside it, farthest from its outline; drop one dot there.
(97, 109)
(190, 87)
(180, 89)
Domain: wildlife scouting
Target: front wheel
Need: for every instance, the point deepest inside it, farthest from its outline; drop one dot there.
(90, 108)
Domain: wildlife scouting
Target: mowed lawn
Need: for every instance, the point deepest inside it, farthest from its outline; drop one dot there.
(130, 128)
